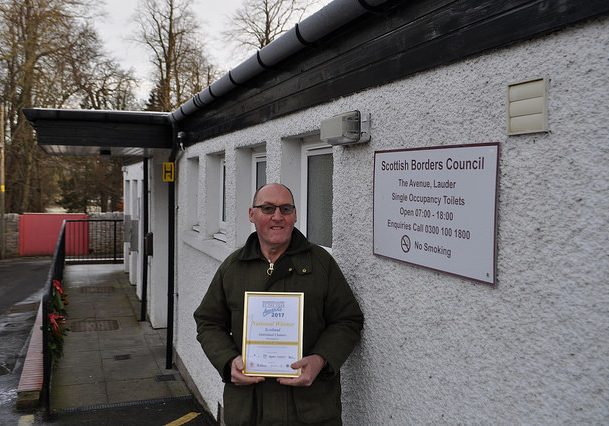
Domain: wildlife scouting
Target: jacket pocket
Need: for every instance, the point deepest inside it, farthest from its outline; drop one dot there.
(238, 405)
(318, 402)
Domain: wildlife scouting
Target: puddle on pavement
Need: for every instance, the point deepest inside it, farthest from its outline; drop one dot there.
(7, 396)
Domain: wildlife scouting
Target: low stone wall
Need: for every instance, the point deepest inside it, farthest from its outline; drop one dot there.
(11, 238)
(108, 215)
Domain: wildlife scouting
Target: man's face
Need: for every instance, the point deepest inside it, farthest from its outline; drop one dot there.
(274, 230)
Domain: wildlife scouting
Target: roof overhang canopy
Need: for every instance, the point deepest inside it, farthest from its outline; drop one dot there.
(127, 134)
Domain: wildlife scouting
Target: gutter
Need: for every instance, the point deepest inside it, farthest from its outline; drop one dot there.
(305, 33)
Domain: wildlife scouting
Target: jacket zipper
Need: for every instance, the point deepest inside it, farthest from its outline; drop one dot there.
(269, 271)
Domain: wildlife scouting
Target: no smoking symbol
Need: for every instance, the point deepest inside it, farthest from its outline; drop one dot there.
(405, 243)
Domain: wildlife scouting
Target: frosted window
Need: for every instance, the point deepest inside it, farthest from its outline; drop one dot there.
(260, 173)
(319, 199)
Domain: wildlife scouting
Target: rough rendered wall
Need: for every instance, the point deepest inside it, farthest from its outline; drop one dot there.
(437, 348)
(195, 273)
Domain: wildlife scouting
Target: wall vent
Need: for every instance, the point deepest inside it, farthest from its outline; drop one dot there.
(527, 107)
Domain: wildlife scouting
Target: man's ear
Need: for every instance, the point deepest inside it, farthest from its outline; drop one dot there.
(250, 213)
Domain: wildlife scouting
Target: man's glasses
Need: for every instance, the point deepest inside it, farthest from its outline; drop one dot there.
(284, 209)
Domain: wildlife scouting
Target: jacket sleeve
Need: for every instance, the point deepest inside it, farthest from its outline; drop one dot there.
(213, 318)
(344, 322)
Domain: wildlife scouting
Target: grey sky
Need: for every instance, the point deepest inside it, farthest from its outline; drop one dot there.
(117, 27)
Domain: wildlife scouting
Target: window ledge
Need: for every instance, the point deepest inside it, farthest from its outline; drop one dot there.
(220, 236)
(212, 247)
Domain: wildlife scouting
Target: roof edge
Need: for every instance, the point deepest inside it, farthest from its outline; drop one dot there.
(103, 116)
(305, 33)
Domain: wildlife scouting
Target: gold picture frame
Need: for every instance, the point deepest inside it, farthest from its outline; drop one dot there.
(272, 333)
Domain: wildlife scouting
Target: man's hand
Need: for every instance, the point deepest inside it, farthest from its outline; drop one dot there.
(236, 374)
(310, 367)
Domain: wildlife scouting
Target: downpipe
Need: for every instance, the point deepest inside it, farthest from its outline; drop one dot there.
(171, 220)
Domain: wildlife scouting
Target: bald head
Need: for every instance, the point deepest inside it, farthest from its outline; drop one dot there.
(271, 185)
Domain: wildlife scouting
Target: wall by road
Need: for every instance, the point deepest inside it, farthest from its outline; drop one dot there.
(11, 224)
(11, 238)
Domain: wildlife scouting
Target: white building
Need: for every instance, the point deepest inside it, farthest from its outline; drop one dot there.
(527, 344)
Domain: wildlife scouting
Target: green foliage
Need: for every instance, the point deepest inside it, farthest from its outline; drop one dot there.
(90, 183)
(57, 328)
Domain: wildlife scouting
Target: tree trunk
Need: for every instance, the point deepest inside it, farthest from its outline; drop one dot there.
(23, 133)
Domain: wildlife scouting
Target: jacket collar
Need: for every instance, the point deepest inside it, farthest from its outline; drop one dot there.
(251, 249)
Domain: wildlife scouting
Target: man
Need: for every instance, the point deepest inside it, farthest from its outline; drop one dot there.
(277, 257)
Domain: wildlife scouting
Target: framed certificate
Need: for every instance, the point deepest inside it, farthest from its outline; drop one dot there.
(272, 333)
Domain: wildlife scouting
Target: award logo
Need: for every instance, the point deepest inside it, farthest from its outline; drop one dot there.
(272, 308)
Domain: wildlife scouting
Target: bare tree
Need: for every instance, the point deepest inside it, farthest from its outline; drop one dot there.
(35, 36)
(258, 22)
(169, 30)
(49, 57)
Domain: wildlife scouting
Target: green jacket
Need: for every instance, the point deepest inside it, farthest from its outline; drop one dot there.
(332, 325)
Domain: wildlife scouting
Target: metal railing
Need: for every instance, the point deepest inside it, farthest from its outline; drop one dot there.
(55, 273)
(94, 241)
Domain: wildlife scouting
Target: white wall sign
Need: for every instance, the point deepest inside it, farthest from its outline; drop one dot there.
(436, 207)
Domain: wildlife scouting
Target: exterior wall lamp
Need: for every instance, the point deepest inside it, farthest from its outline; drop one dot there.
(346, 128)
(105, 154)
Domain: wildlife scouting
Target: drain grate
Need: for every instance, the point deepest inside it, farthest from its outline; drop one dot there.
(89, 290)
(165, 378)
(114, 405)
(122, 357)
(94, 325)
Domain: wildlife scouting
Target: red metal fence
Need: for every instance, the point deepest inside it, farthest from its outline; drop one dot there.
(38, 233)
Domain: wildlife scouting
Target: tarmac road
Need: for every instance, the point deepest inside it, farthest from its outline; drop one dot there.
(21, 284)
(20, 278)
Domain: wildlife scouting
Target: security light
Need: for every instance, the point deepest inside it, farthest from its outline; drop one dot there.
(347, 128)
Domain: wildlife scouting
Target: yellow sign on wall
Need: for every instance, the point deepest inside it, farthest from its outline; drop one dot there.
(168, 171)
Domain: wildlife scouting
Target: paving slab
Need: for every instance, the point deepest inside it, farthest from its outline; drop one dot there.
(178, 388)
(79, 342)
(136, 390)
(75, 375)
(117, 341)
(86, 358)
(134, 352)
(140, 367)
(80, 309)
(78, 395)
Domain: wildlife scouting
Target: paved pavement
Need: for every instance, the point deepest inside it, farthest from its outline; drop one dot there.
(113, 368)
